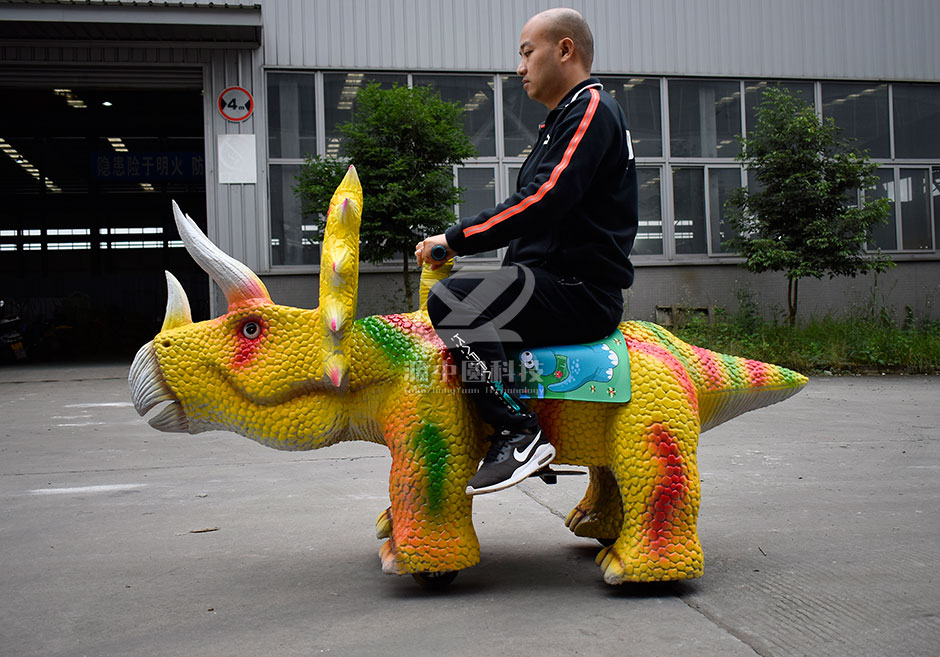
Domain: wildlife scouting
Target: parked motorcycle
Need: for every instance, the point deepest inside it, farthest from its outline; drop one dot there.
(11, 339)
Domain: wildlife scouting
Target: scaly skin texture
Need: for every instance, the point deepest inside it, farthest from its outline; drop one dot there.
(299, 379)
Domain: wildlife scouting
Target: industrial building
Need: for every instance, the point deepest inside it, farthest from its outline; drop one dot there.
(110, 109)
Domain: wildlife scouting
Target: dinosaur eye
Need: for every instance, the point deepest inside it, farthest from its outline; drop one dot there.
(251, 330)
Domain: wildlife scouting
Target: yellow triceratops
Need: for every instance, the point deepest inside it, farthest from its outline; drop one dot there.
(299, 379)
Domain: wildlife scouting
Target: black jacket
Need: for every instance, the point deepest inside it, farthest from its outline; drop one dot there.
(575, 207)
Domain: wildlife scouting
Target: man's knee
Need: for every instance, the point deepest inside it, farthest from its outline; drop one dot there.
(472, 299)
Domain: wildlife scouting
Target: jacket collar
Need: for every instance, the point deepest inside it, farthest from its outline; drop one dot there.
(576, 91)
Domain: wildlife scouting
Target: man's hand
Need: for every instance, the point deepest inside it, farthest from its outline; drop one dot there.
(423, 251)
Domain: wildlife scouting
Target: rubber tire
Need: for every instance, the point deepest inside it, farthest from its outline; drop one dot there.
(435, 581)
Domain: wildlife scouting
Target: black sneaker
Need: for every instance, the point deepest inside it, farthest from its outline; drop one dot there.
(513, 456)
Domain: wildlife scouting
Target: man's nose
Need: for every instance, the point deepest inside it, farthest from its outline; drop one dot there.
(521, 69)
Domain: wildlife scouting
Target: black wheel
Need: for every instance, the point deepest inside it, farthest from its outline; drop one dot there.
(606, 542)
(436, 581)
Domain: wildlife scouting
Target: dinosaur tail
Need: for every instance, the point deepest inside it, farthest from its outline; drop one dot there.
(726, 386)
(738, 385)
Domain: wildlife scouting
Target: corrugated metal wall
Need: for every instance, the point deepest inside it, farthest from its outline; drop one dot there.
(237, 213)
(814, 39)
(853, 39)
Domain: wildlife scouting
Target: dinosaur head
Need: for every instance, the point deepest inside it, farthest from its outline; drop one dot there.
(269, 372)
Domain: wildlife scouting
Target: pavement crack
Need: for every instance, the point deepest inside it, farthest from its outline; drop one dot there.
(535, 499)
(751, 642)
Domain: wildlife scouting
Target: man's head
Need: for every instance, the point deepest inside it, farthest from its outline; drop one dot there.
(556, 50)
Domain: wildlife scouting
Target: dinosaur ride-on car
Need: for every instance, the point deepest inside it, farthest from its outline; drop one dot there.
(297, 379)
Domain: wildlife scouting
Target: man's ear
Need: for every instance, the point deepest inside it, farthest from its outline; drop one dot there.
(566, 48)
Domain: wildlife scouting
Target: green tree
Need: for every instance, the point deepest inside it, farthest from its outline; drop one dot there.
(803, 219)
(404, 143)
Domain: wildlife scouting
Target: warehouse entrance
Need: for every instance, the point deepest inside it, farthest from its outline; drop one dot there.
(88, 167)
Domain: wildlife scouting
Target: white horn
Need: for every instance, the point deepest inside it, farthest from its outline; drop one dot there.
(177, 305)
(237, 281)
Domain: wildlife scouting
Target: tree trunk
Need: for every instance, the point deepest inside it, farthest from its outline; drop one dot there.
(793, 291)
(406, 280)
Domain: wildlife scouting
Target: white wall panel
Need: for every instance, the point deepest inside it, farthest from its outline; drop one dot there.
(846, 39)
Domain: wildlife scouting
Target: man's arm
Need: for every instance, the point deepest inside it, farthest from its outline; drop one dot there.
(577, 143)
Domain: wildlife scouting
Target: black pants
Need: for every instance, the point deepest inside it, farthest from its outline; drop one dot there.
(480, 316)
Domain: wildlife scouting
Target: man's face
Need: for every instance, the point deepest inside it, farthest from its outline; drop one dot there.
(539, 64)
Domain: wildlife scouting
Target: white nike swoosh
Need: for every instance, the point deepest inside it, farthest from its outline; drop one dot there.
(523, 455)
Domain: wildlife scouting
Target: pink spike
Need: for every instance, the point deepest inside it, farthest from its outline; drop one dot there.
(333, 325)
(335, 376)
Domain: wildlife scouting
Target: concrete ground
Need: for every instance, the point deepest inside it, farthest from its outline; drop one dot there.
(820, 522)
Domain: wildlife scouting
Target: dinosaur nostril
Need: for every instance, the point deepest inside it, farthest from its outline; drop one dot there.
(166, 343)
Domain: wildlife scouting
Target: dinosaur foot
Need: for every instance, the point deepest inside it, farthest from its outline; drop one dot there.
(389, 556)
(574, 518)
(590, 524)
(671, 564)
(383, 524)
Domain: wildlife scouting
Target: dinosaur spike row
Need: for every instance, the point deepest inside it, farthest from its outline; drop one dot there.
(339, 273)
(238, 282)
(177, 305)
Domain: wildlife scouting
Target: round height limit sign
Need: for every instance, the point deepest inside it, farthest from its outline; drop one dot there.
(236, 104)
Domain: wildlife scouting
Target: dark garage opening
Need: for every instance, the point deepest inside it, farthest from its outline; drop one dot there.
(86, 229)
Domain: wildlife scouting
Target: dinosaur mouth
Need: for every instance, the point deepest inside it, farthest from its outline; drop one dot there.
(149, 388)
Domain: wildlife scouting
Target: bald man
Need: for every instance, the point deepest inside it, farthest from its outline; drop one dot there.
(569, 228)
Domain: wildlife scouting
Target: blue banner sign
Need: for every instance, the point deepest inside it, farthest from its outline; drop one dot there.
(174, 165)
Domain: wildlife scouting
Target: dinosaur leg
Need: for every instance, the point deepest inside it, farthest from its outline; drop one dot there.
(653, 453)
(600, 514)
(429, 524)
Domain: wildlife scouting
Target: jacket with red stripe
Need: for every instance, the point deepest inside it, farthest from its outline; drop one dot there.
(574, 211)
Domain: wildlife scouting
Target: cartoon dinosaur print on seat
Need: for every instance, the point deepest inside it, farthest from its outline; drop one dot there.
(298, 379)
(565, 369)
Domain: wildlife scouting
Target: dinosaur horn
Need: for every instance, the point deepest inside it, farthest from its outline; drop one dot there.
(339, 274)
(237, 281)
(177, 305)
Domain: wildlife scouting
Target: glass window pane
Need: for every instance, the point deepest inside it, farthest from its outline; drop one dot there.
(884, 236)
(291, 115)
(294, 237)
(639, 98)
(721, 183)
(688, 188)
(914, 198)
(861, 110)
(935, 194)
(513, 173)
(475, 95)
(704, 118)
(754, 95)
(649, 237)
(339, 94)
(479, 193)
(916, 120)
(521, 118)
